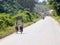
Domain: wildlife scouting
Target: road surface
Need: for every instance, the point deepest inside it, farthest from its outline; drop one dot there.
(43, 32)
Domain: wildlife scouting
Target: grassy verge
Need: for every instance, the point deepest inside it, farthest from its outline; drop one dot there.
(11, 30)
(57, 18)
(7, 32)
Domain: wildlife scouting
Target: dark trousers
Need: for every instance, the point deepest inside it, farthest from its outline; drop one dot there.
(16, 28)
(21, 29)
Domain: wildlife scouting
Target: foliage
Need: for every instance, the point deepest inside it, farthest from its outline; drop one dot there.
(56, 5)
(5, 21)
(27, 16)
(13, 6)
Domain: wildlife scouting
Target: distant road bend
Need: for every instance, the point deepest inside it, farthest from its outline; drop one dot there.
(43, 32)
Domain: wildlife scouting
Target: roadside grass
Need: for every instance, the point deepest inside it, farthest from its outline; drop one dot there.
(57, 18)
(7, 32)
(10, 30)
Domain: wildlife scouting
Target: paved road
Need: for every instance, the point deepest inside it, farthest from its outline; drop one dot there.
(43, 32)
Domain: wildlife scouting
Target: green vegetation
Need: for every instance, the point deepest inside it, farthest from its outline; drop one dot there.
(55, 5)
(55, 15)
(13, 6)
(11, 10)
(7, 21)
(57, 18)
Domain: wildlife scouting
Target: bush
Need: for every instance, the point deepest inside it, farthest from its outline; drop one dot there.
(9, 22)
(2, 26)
(27, 16)
(5, 21)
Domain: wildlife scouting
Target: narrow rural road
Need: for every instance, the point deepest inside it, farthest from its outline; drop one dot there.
(43, 32)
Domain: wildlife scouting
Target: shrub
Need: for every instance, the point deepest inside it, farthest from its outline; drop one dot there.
(5, 21)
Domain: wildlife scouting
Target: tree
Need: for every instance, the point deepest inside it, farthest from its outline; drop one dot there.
(13, 6)
(56, 5)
